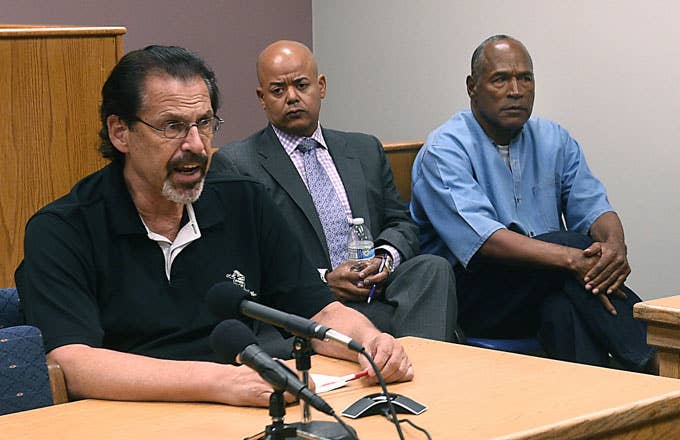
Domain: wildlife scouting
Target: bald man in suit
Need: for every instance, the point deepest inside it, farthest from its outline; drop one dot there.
(416, 292)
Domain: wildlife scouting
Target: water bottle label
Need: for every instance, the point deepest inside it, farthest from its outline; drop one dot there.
(365, 254)
(361, 250)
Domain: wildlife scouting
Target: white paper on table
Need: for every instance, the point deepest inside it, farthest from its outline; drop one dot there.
(327, 383)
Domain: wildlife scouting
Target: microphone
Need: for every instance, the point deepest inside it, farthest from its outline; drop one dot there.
(227, 301)
(233, 341)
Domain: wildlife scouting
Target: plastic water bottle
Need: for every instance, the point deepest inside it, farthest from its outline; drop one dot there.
(359, 244)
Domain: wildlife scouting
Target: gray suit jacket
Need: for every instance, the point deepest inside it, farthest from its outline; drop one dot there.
(365, 173)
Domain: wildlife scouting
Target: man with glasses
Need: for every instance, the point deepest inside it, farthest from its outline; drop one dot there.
(116, 272)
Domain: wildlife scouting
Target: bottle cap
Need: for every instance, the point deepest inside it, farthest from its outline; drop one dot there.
(358, 221)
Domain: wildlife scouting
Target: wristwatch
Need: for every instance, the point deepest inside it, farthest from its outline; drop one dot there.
(389, 264)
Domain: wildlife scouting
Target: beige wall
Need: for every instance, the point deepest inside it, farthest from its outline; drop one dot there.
(608, 71)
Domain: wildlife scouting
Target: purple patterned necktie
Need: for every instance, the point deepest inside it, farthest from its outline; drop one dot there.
(326, 201)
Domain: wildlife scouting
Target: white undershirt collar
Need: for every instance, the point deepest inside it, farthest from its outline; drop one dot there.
(189, 232)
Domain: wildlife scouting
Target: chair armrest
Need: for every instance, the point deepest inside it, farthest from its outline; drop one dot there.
(57, 381)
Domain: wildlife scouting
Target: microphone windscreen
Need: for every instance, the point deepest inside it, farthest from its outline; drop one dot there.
(229, 338)
(224, 300)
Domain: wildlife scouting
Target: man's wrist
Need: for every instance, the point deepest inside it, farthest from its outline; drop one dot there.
(572, 259)
(389, 251)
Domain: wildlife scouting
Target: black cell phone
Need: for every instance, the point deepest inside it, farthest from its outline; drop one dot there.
(377, 404)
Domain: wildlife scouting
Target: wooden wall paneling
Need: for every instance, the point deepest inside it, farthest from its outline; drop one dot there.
(50, 85)
(401, 156)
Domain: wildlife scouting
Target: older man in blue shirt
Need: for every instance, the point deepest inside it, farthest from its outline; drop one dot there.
(512, 204)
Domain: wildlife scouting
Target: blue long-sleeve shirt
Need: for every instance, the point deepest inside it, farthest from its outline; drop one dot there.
(463, 191)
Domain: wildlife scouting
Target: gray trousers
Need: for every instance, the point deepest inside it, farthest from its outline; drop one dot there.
(419, 300)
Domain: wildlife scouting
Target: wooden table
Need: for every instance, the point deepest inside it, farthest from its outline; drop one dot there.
(471, 393)
(663, 331)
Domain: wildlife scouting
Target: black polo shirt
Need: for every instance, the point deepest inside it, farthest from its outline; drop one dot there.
(92, 276)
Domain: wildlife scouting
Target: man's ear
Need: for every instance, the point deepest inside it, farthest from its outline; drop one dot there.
(260, 96)
(470, 83)
(118, 133)
(322, 85)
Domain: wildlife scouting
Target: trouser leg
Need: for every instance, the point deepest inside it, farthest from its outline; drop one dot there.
(537, 306)
(498, 301)
(423, 289)
(378, 312)
(564, 335)
(621, 335)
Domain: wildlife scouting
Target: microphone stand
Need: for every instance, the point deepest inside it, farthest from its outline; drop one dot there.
(302, 351)
(307, 429)
(277, 430)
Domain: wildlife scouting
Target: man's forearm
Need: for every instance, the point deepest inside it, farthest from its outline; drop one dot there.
(106, 374)
(347, 321)
(607, 228)
(387, 354)
(517, 250)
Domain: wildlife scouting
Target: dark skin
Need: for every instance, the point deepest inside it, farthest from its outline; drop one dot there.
(291, 88)
(352, 285)
(501, 98)
(502, 91)
(290, 92)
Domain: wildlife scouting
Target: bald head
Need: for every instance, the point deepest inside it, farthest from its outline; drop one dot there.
(478, 56)
(284, 51)
(291, 88)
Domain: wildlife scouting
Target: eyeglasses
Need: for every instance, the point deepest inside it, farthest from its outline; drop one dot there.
(180, 130)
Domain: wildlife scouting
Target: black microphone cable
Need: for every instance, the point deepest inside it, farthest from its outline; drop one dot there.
(386, 413)
(388, 398)
(228, 300)
(344, 425)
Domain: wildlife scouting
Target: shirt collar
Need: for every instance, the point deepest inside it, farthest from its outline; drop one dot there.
(291, 141)
(188, 232)
(120, 208)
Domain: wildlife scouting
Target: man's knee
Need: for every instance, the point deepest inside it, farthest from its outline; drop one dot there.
(425, 289)
(433, 264)
(566, 238)
(429, 270)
